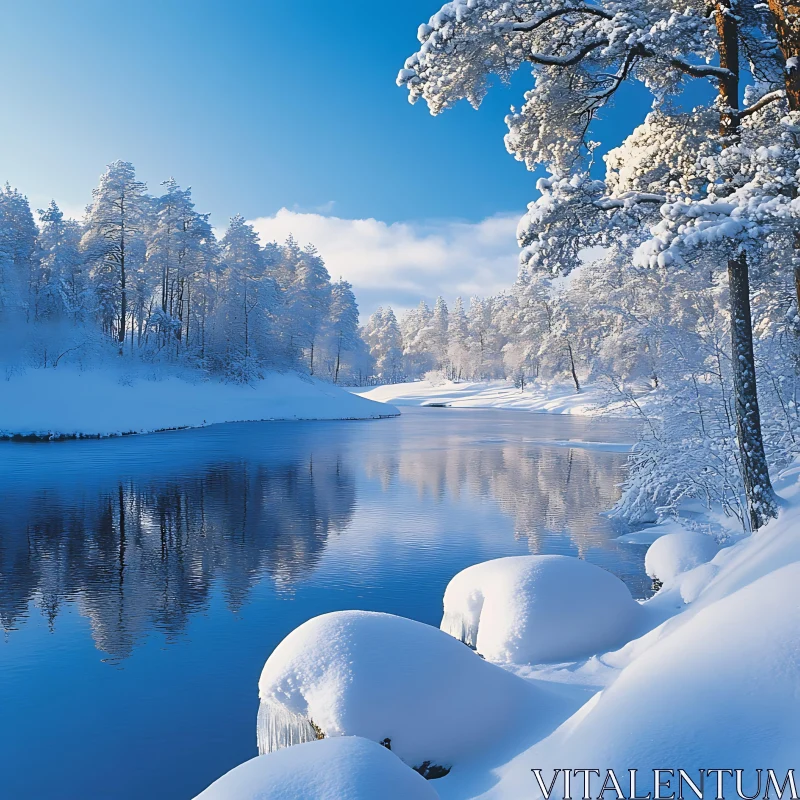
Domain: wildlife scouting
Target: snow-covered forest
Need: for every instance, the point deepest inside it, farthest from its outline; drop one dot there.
(678, 264)
(145, 278)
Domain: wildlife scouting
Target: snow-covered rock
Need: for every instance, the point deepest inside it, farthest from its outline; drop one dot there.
(539, 609)
(345, 768)
(718, 686)
(385, 677)
(671, 555)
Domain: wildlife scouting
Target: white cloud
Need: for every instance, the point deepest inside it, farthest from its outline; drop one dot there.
(400, 263)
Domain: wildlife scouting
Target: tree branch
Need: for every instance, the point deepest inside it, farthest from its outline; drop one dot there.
(532, 25)
(768, 98)
(628, 199)
(571, 59)
(699, 70)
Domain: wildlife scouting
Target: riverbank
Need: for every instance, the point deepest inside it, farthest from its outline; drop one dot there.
(706, 681)
(558, 398)
(67, 403)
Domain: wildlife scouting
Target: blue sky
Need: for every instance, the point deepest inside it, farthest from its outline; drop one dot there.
(261, 106)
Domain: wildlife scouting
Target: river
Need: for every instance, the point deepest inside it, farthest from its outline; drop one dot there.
(145, 580)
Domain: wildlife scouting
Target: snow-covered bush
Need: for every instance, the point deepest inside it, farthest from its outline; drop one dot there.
(388, 679)
(538, 609)
(345, 768)
(675, 553)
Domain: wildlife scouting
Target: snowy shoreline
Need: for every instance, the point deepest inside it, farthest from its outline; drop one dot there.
(558, 398)
(600, 679)
(66, 403)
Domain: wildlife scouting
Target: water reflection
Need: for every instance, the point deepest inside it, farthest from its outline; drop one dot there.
(146, 553)
(542, 489)
(139, 533)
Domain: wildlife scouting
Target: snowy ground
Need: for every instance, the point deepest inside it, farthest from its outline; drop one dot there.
(708, 679)
(553, 399)
(69, 402)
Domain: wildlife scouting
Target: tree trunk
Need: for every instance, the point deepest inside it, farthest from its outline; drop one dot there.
(761, 501)
(572, 367)
(755, 473)
(786, 14)
(728, 31)
(124, 300)
(338, 359)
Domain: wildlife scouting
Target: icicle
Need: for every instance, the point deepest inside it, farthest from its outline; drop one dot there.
(458, 626)
(278, 727)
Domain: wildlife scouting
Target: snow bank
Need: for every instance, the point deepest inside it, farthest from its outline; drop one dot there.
(69, 402)
(385, 677)
(719, 687)
(346, 768)
(676, 553)
(553, 399)
(539, 609)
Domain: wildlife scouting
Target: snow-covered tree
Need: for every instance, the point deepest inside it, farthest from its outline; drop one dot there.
(415, 327)
(248, 299)
(382, 335)
(458, 345)
(113, 242)
(180, 247)
(19, 254)
(62, 289)
(580, 55)
(342, 326)
(309, 300)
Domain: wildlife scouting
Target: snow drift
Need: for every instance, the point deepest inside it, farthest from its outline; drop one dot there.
(388, 678)
(66, 402)
(715, 688)
(539, 609)
(345, 768)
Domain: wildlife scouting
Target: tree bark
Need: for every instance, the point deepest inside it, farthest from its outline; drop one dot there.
(572, 367)
(755, 473)
(122, 278)
(338, 359)
(759, 494)
(728, 31)
(786, 15)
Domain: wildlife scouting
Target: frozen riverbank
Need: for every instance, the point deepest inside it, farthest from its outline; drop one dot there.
(705, 678)
(551, 399)
(69, 403)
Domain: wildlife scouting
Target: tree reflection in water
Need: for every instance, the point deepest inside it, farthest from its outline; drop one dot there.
(146, 553)
(140, 532)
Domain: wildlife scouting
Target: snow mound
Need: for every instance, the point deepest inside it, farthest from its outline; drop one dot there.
(385, 677)
(346, 768)
(671, 555)
(721, 687)
(539, 609)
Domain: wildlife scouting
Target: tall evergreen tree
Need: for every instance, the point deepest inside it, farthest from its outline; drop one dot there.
(114, 243)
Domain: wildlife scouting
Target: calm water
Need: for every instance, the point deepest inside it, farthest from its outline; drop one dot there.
(144, 581)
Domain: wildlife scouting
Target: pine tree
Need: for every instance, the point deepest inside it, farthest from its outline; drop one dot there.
(458, 349)
(19, 254)
(342, 323)
(113, 243)
(249, 297)
(63, 286)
